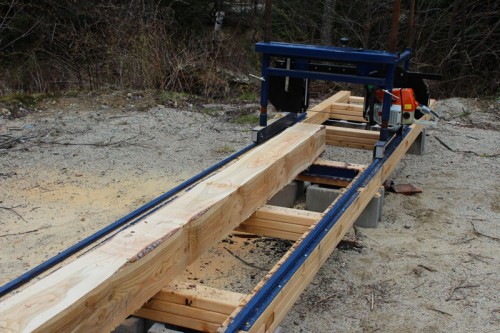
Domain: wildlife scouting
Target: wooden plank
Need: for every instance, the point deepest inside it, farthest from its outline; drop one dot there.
(336, 164)
(267, 232)
(185, 311)
(101, 288)
(279, 222)
(182, 321)
(324, 181)
(347, 106)
(287, 215)
(278, 308)
(352, 139)
(356, 99)
(348, 144)
(346, 117)
(276, 225)
(340, 97)
(199, 296)
(352, 132)
(320, 113)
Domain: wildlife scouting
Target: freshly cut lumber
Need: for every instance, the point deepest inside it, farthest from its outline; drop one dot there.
(98, 290)
(352, 132)
(191, 306)
(342, 165)
(324, 181)
(356, 99)
(349, 144)
(347, 106)
(279, 222)
(290, 292)
(337, 116)
(320, 113)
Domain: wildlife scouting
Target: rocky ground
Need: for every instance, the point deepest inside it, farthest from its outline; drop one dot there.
(73, 164)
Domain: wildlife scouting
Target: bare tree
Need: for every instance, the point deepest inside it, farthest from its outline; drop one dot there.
(327, 21)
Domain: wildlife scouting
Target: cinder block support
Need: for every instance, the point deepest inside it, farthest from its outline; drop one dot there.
(287, 196)
(418, 146)
(372, 213)
(319, 198)
(161, 328)
(131, 325)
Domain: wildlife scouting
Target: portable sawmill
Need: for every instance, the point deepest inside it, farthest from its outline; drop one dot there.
(394, 96)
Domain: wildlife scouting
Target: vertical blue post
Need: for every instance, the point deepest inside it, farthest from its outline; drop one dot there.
(264, 91)
(386, 106)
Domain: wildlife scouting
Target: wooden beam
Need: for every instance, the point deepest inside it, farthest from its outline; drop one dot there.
(320, 113)
(336, 164)
(348, 106)
(279, 222)
(290, 292)
(191, 306)
(356, 118)
(352, 132)
(98, 290)
(349, 144)
(356, 99)
(324, 181)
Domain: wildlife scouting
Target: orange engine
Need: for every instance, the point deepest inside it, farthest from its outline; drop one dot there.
(403, 100)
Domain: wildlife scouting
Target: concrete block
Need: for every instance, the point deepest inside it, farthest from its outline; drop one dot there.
(161, 328)
(319, 198)
(286, 197)
(372, 213)
(131, 325)
(418, 146)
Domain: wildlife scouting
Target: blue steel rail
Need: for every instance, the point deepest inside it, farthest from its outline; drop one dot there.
(259, 302)
(131, 218)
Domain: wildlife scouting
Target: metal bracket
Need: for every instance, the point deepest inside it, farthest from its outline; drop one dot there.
(275, 126)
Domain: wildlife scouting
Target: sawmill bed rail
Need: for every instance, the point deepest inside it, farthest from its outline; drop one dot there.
(142, 283)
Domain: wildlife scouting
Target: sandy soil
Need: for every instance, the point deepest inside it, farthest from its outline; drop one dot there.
(432, 265)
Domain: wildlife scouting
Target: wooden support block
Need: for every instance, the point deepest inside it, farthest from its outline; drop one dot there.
(279, 222)
(191, 306)
(352, 132)
(287, 215)
(359, 118)
(320, 113)
(343, 165)
(324, 181)
(348, 106)
(98, 290)
(349, 144)
(351, 139)
(356, 99)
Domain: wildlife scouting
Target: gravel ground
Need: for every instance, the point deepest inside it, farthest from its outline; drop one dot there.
(431, 266)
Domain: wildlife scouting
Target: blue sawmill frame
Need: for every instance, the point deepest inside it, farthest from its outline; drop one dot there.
(372, 67)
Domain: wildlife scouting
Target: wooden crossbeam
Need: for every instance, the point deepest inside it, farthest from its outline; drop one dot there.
(290, 292)
(320, 113)
(350, 137)
(101, 288)
(356, 99)
(191, 306)
(279, 222)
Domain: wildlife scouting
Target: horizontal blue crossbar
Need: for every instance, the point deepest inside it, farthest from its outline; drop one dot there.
(346, 54)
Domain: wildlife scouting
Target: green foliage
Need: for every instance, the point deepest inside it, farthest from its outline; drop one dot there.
(54, 45)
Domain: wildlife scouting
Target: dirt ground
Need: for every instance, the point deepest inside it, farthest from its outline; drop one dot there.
(433, 265)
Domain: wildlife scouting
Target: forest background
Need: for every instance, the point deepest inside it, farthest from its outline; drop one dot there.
(170, 45)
